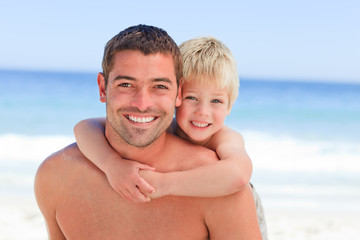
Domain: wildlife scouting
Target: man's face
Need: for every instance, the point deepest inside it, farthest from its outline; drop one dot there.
(140, 96)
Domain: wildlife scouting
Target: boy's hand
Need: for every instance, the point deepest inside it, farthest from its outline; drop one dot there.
(124, 178)
(157, 180)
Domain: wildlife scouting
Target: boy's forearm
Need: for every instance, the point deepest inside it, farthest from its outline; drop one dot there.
(213, 180)
(92, 143)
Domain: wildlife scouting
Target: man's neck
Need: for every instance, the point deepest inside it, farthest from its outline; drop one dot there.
(147, 155)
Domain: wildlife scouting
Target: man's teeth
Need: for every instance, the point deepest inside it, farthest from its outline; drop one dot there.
(141, 119)
(202, 125)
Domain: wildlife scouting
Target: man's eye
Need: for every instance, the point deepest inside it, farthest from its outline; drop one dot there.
(190, 98)
(161, 87)
(216, 101)
(125, 85)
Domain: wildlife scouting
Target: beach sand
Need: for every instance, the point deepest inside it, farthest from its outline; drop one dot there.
(21, 219)
(311, 225)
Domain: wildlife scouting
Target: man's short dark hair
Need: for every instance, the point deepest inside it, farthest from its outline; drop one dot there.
(147, 40)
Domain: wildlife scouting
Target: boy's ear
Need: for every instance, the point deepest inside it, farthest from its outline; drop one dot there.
(101, 84)
(179, 94)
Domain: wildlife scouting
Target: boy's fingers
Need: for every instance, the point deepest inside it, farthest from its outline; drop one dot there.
(136, 194)
(128, 196)
(145, 186)
(122, 192)
(145, 167)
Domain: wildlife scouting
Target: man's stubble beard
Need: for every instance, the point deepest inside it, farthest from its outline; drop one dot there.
(139, 137)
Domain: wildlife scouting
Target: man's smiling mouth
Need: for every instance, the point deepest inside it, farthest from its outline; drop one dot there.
(140, 119)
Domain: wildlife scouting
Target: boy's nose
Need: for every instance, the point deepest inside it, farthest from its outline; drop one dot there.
(202, 109)
(142, 99)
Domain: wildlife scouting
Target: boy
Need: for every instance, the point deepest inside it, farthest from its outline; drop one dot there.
(210, 87)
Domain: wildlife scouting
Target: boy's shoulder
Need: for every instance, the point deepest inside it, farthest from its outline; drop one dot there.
(225, 135)
(184, 152)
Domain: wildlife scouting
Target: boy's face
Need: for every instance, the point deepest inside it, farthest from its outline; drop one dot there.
(202, 112)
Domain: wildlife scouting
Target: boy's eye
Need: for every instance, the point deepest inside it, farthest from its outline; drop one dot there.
(190, 98)
(125, 85)
(216, 101)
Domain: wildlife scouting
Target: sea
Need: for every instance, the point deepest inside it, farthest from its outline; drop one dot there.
(303, 137)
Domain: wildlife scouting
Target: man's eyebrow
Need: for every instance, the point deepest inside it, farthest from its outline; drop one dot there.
(163, 80)
(120, 77)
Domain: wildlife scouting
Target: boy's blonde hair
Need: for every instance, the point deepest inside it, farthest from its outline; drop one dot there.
(208, 61)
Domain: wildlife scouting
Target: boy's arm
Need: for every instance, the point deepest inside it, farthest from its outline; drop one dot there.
(220, 178)
(123, 174)
(229, 145)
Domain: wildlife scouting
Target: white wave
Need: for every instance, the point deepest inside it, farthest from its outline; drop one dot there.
(15, 147)
(307, 196)
(286, 153)
(269, 153)
(21, 155)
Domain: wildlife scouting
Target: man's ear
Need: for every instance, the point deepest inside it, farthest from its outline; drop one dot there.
(179, 92)
(102, 89)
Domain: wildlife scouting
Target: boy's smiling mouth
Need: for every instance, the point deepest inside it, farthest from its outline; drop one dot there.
(200, 124)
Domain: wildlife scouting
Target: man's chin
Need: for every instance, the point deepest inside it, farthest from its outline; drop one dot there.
(142, 141)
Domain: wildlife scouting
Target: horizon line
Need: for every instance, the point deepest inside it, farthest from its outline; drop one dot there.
(241, 77)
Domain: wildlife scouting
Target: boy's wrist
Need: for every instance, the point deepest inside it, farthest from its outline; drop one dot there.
(166, 184)
(162, 185)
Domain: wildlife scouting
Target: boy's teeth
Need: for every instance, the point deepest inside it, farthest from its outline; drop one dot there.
(200, 124)
(141, 119)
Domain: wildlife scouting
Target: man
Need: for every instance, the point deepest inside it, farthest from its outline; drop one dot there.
(142, 68)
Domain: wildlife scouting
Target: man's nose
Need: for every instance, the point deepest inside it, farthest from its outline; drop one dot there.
(142, 99)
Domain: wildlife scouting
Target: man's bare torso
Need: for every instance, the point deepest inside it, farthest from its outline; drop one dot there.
(78, 202)
(88, 208)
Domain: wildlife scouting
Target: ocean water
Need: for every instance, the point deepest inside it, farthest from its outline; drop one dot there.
(303, 137)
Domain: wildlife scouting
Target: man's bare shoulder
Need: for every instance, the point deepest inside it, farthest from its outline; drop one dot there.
(60, 159)
(53, 172)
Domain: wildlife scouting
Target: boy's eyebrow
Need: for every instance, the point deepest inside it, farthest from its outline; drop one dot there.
(219, 94)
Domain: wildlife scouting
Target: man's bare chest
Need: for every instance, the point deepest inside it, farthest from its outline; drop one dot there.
(102, 214)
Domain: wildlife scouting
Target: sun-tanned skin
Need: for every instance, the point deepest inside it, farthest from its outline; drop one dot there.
(77, 200)
(84, 205)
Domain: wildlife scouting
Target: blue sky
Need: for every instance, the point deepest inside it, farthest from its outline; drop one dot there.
(293, 40)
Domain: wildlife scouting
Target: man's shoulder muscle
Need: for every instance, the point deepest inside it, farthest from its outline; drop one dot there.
(50, 183)
(59, 160)
(55, 172)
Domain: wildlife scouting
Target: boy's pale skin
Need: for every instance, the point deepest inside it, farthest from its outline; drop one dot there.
(78, 203)
(200, 120)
